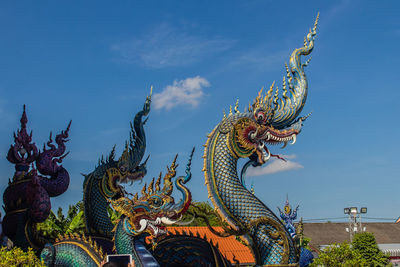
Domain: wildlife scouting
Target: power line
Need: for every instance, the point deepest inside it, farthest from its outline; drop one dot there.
(324, 219)
(337, 218)
(385, 219)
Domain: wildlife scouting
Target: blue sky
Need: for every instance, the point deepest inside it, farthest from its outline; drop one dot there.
(94, 63)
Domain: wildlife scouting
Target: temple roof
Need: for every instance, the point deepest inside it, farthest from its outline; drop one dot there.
(328, 233)
(228, 246)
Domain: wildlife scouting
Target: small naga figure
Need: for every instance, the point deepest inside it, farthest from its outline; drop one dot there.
(288, 216)
(27, 197)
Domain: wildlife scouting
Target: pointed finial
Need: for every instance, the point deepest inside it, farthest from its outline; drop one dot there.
(144, 193)
(150, 188)
(158, 182)
(276, 96)
(24, 119)
(168, 176)
(316, 23)
(284, 94)
(271, 89)
(236, 106)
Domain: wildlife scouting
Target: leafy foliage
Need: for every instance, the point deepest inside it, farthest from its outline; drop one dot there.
(17, 257)
(113, 215)
(74, 222)
(365, 244)
(303, 242)
(198, 210)
(339, 255)
(363, 251)
(59, 224)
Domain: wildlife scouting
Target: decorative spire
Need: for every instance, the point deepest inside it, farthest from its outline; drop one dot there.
(236, 106)
(170, 174)
(150, 188)
(23, 152)
(158, 182)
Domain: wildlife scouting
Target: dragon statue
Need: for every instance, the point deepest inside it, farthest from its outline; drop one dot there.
(288, 216)
(269, 120)
(140, 217)
(27, 197)
(103, 183)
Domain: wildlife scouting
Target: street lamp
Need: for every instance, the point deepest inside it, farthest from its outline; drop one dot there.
(363, 210)
(354, 226)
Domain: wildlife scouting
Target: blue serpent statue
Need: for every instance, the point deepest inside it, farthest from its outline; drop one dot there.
(104, 182)
(269, 120)
(140, 217)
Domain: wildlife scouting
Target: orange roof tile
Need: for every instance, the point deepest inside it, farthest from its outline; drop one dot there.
(228, 246)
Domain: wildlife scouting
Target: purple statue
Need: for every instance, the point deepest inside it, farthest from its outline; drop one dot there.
(27, 197)
(288, 216)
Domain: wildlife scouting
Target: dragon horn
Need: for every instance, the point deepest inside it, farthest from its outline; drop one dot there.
(150, 188)
(179, 183)
(125, 153)
(145, 162)
(289, 108)
(167, 178)
(158, 182)
(144, 193)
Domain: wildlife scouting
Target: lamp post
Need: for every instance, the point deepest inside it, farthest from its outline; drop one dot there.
(354, 225)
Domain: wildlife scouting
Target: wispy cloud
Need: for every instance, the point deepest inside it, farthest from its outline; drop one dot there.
(165, 46)
(183, 92)
(335, 12)
(260, 58)
(276, 165)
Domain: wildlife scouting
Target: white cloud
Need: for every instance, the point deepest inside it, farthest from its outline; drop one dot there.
(183, 92)
(166, 46)
(275, 165)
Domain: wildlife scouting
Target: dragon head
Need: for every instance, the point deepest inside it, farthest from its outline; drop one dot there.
(270, 119)
(251, 134)
(129, 163)
(156, 207)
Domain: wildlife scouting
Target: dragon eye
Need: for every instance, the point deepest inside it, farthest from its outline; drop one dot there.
(156, 202)
(260, 116)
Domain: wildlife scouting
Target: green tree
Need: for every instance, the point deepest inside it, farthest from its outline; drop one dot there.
(339, 255)
(59, 224)
(365, 244)
(17, 257)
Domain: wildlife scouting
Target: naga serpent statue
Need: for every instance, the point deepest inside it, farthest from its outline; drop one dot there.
(103, 183)
(27, 197)
(140, 217)
(269, 120)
